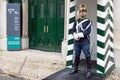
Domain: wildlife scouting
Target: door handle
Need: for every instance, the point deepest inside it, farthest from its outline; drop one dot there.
(44, 29)
(47, 29)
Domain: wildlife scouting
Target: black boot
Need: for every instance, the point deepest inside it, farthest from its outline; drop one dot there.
(75, 65)
(88, 61)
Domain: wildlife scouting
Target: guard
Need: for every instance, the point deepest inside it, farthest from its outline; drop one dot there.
(81, 30)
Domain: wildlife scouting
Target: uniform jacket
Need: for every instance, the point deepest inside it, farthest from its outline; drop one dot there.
(84, 26)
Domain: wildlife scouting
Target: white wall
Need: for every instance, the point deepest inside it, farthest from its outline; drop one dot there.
(117, 32)
(3, 25)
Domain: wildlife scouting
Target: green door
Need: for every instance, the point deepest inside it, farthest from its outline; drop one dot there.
(60, 24)
(32, 23)
(48, 25)
(41, 24)
(51, 25)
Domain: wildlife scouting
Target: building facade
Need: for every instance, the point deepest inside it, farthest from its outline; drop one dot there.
(45, 24)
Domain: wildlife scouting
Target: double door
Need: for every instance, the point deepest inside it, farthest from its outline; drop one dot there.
(46, 24)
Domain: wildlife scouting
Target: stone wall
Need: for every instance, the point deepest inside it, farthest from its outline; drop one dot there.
(25, 39)
(3, 25)
(25, 18)
(117, 32)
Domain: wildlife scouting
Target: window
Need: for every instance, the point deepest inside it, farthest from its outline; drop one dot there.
(42, 10)
(51, 10)
(62, 10)
(32, 12)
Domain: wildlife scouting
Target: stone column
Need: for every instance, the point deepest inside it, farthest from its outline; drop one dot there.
(3, 25)
(25, 39)
(117, 32)
(66, 23)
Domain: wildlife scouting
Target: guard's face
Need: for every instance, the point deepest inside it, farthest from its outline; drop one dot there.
(83, 13)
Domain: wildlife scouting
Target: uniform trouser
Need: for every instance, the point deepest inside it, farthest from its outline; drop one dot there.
(86, 51)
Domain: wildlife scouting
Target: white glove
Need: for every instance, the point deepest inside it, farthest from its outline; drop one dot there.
(80, 35)
(75, 36)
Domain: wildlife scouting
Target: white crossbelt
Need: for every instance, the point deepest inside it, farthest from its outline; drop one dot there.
(80, 26)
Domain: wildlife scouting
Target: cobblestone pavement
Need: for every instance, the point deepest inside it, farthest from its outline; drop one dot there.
(38, 64)
(6, 77)
(114, 75)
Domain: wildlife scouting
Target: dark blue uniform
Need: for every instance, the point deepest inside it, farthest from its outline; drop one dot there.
(81, 30)
(84, 42)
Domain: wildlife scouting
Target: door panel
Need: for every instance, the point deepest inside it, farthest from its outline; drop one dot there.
(51, 25)
(32, 23)
(60, 24)
(41, 25)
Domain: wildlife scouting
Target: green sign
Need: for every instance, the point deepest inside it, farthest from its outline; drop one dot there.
(13, 43)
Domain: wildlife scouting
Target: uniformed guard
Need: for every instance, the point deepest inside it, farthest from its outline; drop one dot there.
(81, 30)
